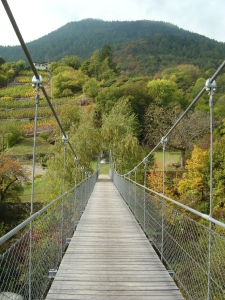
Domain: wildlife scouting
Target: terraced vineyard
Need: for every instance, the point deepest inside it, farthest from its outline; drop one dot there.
(17, 104)
(17, 112)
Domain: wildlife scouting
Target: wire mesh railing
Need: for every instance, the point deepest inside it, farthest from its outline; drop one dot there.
(180, 239)
(31, 256)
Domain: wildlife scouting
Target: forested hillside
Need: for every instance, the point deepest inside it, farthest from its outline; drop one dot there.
(139, 46)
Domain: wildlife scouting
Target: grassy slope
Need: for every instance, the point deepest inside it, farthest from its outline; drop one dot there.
(25, 146)
(39, 188)
(170, 158)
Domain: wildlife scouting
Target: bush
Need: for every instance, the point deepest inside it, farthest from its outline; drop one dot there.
(44, 135)
(13, 136)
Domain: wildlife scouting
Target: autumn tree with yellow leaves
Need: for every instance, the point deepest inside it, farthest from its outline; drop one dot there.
(194, 186)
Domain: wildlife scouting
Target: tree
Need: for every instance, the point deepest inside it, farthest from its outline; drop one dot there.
(2, 61)
(136, 91)
(68, 82)
(106, 53)
(20, 65)
(183, 75)
(194, 186)
(71, 61)
(3, 80)
(107, 98)
(91, 88)
(86, 141)
(13, 134)
(164, 92)
(159, 120)
(120, 129)
(11, 176)
(219, 174)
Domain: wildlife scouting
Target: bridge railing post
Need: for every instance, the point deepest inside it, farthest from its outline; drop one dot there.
(135, 193)
(164, 142)
(210, 88)
(145, 183)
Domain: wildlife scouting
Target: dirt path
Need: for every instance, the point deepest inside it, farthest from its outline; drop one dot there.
(38, 170)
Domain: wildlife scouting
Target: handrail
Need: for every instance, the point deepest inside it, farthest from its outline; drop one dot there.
(204, 216)
(15, 230)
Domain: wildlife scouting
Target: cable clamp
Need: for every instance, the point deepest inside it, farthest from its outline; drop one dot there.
(210, 85)
(65, 139)
(37, 82)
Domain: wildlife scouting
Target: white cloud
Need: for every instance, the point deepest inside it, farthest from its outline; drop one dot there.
(36, 19)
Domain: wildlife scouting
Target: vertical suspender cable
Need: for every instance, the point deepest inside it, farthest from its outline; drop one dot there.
(32, 194)
(145, 183)
(164, 141)
(135, 179)
(210, 87)
(65, 141)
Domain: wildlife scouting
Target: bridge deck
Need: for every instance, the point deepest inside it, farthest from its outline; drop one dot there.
(109, 256)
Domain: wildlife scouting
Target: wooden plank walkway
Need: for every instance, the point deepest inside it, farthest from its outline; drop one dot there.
(109, 257)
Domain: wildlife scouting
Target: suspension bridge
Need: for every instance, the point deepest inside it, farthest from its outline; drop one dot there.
(112, 237)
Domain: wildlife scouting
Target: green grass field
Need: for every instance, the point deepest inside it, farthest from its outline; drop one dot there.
(170, 158)
(25, 146)
(104, 168)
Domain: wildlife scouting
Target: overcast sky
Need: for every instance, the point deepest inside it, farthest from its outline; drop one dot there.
(38, 18)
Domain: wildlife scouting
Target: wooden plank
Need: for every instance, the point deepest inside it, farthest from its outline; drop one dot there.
(109, 257)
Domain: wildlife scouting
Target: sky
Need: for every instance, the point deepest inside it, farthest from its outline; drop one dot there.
(38, 18)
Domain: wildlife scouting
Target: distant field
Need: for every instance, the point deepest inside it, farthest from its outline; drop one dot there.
(170, 158)
(25, 146)
(104, 168)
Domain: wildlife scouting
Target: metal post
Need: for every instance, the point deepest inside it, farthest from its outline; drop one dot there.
(145, 181)
(65, 141)
(210, 88)
(36, 84)
(82, 191)
(135, 199)
(129, 191)
(76, 160)
(164, 142)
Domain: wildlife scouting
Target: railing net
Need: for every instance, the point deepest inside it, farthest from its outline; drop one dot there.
(181, 241)
(25, 266)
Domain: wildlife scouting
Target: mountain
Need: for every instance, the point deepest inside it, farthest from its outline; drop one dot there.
(145, 42)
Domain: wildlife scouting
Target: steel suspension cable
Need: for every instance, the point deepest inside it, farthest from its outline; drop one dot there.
(32, 191)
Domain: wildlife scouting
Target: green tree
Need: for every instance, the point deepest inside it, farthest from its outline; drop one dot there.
(86, 141)
(11, 134)
(71, 61)
(106, 53)
(2, 61)
(94, 64)
(107, 98)
(68, 83)
(136, 91)
(165, 92)
(120, 129)
(91, 88)
(3, 80)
